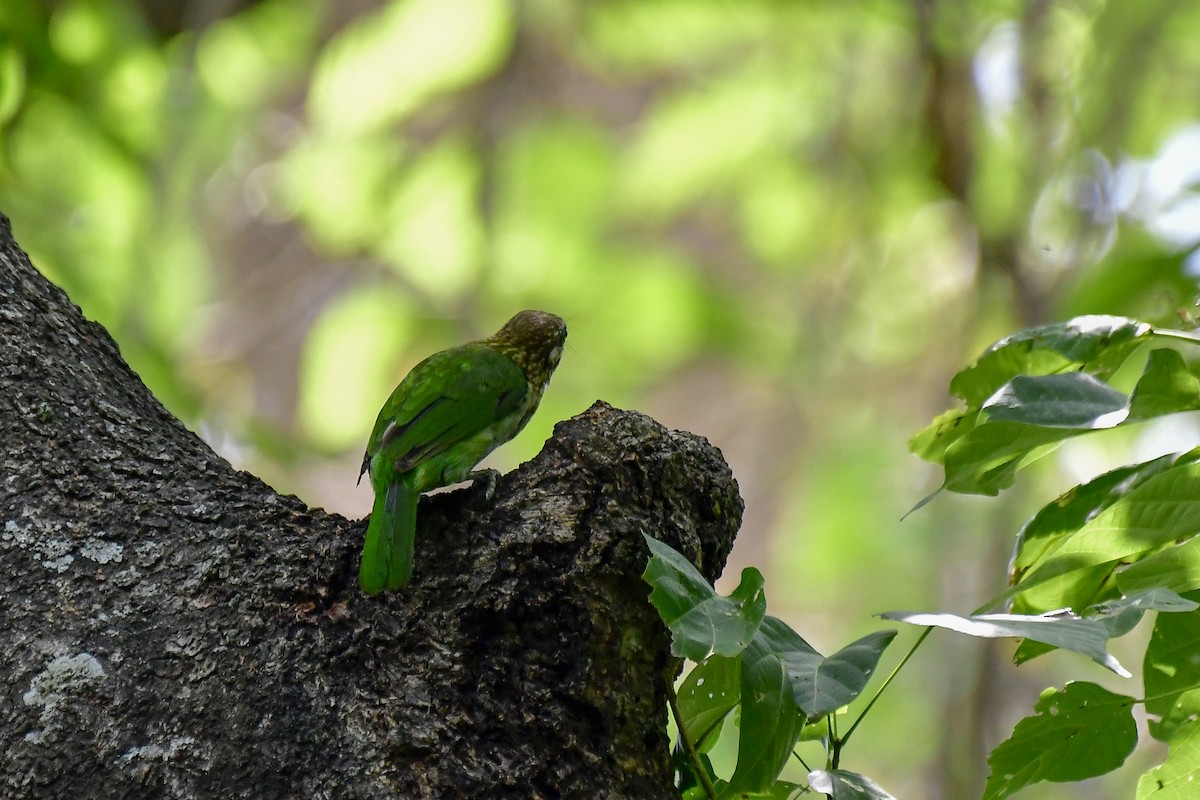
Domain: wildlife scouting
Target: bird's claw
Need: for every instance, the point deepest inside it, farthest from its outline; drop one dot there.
(487, 479)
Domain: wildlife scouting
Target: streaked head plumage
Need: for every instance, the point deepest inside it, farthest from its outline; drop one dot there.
(534, 340)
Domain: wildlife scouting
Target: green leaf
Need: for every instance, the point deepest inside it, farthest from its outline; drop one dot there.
(701, 621)
(822, 685)
(1176, 568)
(1166, 387)
(1030, 414)
(1079, 401)
(769, 724)
(841, 784)
(1062, 629)
(816, 731)
(1079, 732)
(1177, 777)
(1097, 344)
(1171, 673)
(1163, 510)
(1059, 520)
(784, 642)
(708, 693)
(1118, 616)
(931, 442)
(1155, 599)
(1122, 615)
(1074, 400)
(1029, 392)
(779, 790)
(985, 460)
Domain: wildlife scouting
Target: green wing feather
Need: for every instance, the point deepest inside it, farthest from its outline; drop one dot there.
(438, 418)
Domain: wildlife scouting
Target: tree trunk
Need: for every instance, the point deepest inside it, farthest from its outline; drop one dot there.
(175, 628)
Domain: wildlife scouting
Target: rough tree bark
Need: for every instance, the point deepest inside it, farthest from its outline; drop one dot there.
(174, 628)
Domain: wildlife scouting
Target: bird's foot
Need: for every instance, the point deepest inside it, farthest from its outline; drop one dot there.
(484, 481)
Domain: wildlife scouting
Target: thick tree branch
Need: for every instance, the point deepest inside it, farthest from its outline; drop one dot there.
(177, 629)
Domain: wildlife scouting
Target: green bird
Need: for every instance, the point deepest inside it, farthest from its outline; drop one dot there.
(449, 412)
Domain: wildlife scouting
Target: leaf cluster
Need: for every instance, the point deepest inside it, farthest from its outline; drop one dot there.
(1085, 569)
(1089, 565)
(755, 664)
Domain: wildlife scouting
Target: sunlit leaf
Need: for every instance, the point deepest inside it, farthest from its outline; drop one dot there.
(557, 178)
(818, 730)
(1061, 518)
(359, 172)
(1074, 400)
(1064, 629)
(985, 460)
(840, 784)
(1119, 616)
(1155, 514)
(1034, 389)
(1177, 777)
(701, 621)
(782, 790)
(1176, 568)
(243, 59)
(1155, 599)
(1171, 673)
(83, 33)
(1079, 732)
(668, 164)
(431, 231)
(1166, 387)
(932, 441)
(1031, 413)
(630, 33)
(1097, 344)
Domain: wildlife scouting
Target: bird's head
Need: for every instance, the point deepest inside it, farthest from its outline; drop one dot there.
(534, 340)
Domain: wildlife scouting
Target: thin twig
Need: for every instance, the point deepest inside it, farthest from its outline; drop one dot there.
(688, 747)
(835, 744)
(924, 635)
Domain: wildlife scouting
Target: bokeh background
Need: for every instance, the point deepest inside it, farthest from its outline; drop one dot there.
(781, 224)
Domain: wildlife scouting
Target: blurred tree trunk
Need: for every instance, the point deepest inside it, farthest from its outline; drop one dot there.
(175, 628)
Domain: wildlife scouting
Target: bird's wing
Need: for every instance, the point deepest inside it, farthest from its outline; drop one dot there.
(447, 398)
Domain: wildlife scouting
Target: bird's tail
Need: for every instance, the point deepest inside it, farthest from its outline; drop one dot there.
(387, 557)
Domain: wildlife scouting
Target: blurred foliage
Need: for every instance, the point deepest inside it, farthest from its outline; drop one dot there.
(779, 224)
